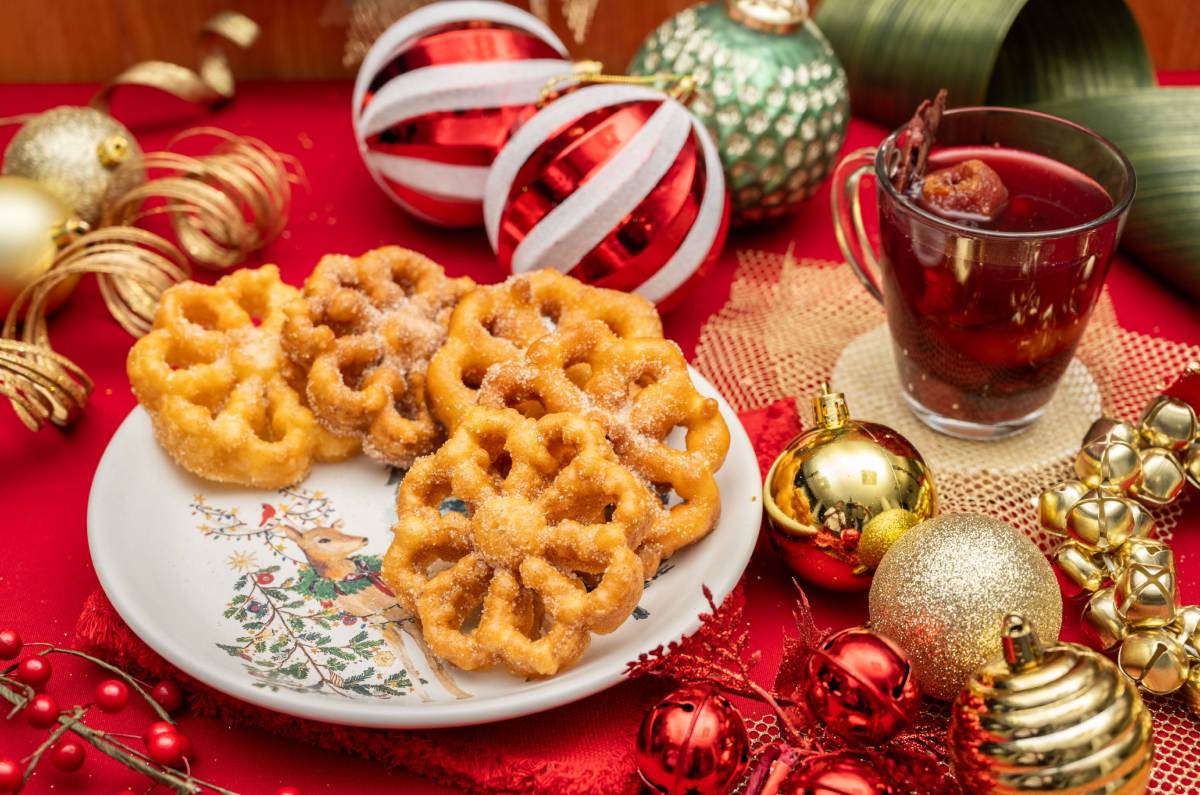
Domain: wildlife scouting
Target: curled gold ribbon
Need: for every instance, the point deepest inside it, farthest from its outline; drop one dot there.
(133, 268)
(210, 84)
(223, 206)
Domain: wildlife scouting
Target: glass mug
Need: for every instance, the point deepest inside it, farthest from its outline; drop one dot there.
(984, 322)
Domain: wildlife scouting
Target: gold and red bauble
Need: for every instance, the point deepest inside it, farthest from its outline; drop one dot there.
(693, 742)
(438, 95)
(841, 493)
(860, 686)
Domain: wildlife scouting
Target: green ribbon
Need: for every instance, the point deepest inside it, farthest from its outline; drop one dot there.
(1084, 60)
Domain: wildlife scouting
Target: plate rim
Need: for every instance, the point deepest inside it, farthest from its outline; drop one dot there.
(470, 712)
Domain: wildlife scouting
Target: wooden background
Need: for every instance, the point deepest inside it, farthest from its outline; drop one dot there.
(90, 40)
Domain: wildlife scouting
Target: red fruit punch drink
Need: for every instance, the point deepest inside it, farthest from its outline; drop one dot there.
(991, 264)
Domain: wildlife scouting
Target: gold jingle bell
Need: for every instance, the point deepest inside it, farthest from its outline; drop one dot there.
(1055, 719)
(1191, 464)
(1169, 423)
(1186, 629)
(1102, 627)
(1079, 567)
(1191, 690)
(1109, 454)
(34, 223)
(1056, 502)
(1101, 520)
(1154, 660)
(76, 153)
(831, 482)
(1161, 477)
(1145, 592)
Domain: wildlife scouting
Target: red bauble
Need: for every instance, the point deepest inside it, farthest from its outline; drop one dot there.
(168, 748)
(287, 791)
(112, 695)
(68, 755)
(11, 775)
(841, 773)
(168, 695)
(619, 186)
(860, 686)
(438, 95)
(42, 712)
(34, 671)
(10, 644)
(694, 741)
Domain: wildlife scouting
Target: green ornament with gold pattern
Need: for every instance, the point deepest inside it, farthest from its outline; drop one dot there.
(769, 89)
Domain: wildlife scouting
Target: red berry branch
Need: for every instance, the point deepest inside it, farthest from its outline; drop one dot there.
(167, 754)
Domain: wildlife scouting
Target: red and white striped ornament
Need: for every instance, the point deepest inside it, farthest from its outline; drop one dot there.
(439, 94)
(617, 185)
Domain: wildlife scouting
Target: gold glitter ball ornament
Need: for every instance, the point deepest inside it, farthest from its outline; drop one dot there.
(76, 153)
(879, 534)
(943, 590)
(34, 223)
(1054, 719)
(830, 483)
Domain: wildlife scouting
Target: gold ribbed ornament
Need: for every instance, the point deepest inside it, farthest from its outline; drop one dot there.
(1055, 719)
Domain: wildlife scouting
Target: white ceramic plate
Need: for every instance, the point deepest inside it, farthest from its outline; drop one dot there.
(208, 576)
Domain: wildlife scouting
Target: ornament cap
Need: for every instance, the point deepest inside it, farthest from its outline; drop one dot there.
(770, 16)
(829, 408)
(113, 151)
(1022, 651)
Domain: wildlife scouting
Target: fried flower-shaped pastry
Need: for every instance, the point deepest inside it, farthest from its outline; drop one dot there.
(497, 323)
(639, 391)
(364, 330)
(224, 400)
(544, 554)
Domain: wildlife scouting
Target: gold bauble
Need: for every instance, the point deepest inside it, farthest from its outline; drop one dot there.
(884, 530)
(76, 153)
(33, 224)
(830, 482)
(1154, 660)
(1169, 423)
(1161, 477)
(943, 590)
(1056, 719)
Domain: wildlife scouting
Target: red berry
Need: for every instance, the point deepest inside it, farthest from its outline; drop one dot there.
(112, 695)
(287, 791)
(158, 727)
(42, 712)
(168, 695)
(10, 775)
(68, 755)
(264, 578)
(168, 748)
(10, 644)
(34, 671)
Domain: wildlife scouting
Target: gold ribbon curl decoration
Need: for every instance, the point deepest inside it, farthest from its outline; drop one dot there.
(211, 83)
(222, 206)
(133, 268)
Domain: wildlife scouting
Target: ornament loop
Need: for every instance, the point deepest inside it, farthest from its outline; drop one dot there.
(679, 87)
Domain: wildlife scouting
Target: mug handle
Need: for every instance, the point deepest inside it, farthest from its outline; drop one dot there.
(848, 217)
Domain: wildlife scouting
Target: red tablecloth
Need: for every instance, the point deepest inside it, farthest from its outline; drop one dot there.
(45, 572)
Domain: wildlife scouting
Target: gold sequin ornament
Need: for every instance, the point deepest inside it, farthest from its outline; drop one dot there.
(34, 223)
(1054, 719)
(75, 153)
(828, 486)
(943, 590)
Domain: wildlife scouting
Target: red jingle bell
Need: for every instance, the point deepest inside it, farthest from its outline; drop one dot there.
(693, 742)
(861, 686)
(619, 186)
(841, 773)
(438, 95)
